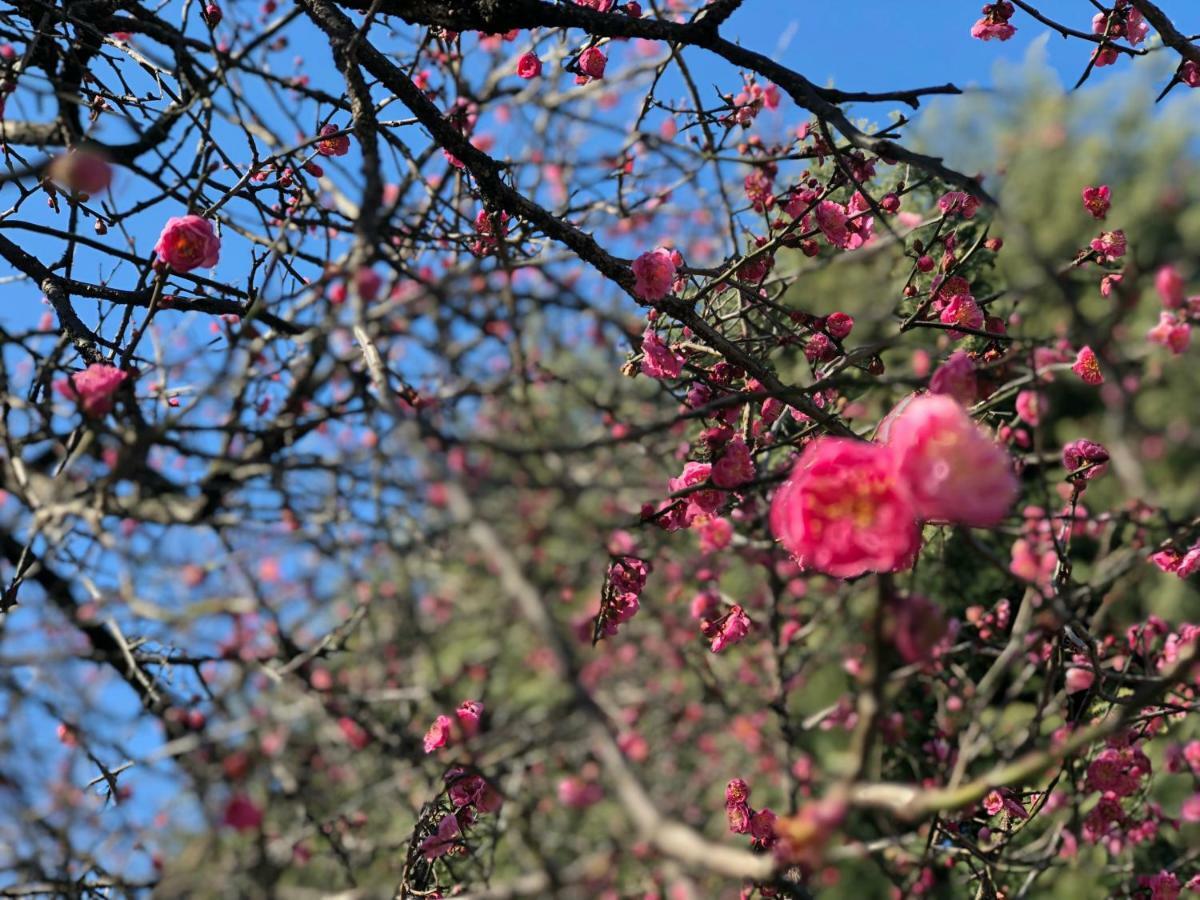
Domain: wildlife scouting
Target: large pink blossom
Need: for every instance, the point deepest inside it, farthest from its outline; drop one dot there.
(94, 389)
(654, 274)
(188, 242)
(843, 512)
(954, 471)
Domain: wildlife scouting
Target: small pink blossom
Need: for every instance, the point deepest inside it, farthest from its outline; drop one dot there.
(438, 734)
(1189, 73)
(1086, 457)
(953, 470)
(529, 66)
(575, 793)
(659, 360)
(469, 713)
(1171, 333)
(1170, 286)
(94, 389)
(1097, 200)
(332, 143)
(843, 512)
(994, 23)
(964, 311)
(1087, 366)
(735, 467)
(188, 242)
(1110, 245)
(956, 378)
(654, 274)
(958, 203)
(727, 630)
(592, 62)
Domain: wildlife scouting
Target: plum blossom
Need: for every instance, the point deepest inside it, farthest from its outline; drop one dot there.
(843, 512)
(188, 242)
(445, 840)
(962, 310)
(659, 360)
(1097, 200)
(1171, 333)
(728, 629)
(81, 171)
(735, 467)
(592, 62)
(654, 274)
(242, 814)
(953, 470)
(94, 389)
(1087, 366)
(994, 23)
(1084, 455)
(438, 734)
(332, 143)
(1170, 287)
(958, 203)
(1109, 246)
(956, 378)
(469, 713)
(529, 66)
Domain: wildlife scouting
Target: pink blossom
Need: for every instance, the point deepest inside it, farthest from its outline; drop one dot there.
(962, 310)
(592, 62)
(843, 512)
(958, 203)
(956, 378)
(1029, 407)
(1087, 366)
(529, 66)
(356, 736)
(81, 171)
(994, 23)
(833, 220)
(332, 143)
(1080, 454)
(188, 242)
(1163, 886)
(1189, 73)
(575, 793)
(444, 840)
(659, 360)
(839, 325)
(735, 467)
(1169, 284)
(1097, 200)
(954, 471)
(727, 630)
(1190, 810)
(654, 274)
(1171, 333)
(94, 389)
(1109, 245)
(469, 713)
(438, 734)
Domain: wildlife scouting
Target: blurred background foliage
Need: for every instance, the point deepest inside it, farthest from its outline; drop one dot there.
(693, 719)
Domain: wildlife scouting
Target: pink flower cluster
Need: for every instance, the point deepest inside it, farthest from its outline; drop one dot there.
(846, 227)
(471, 796)
(94, 389)
(851, 507)
(445, 730)
(624, 584)
(743, 819)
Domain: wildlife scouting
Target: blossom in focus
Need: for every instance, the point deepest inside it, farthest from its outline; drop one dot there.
(728, 629)
(529, 66)
(843, 512)
(654, 274)
(188, 242)
(332, 143)
(444, 840)
(94, 389)
(659, 360)
(592, 62)
(1080, 454)
(1087, 366)
(953, 470)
